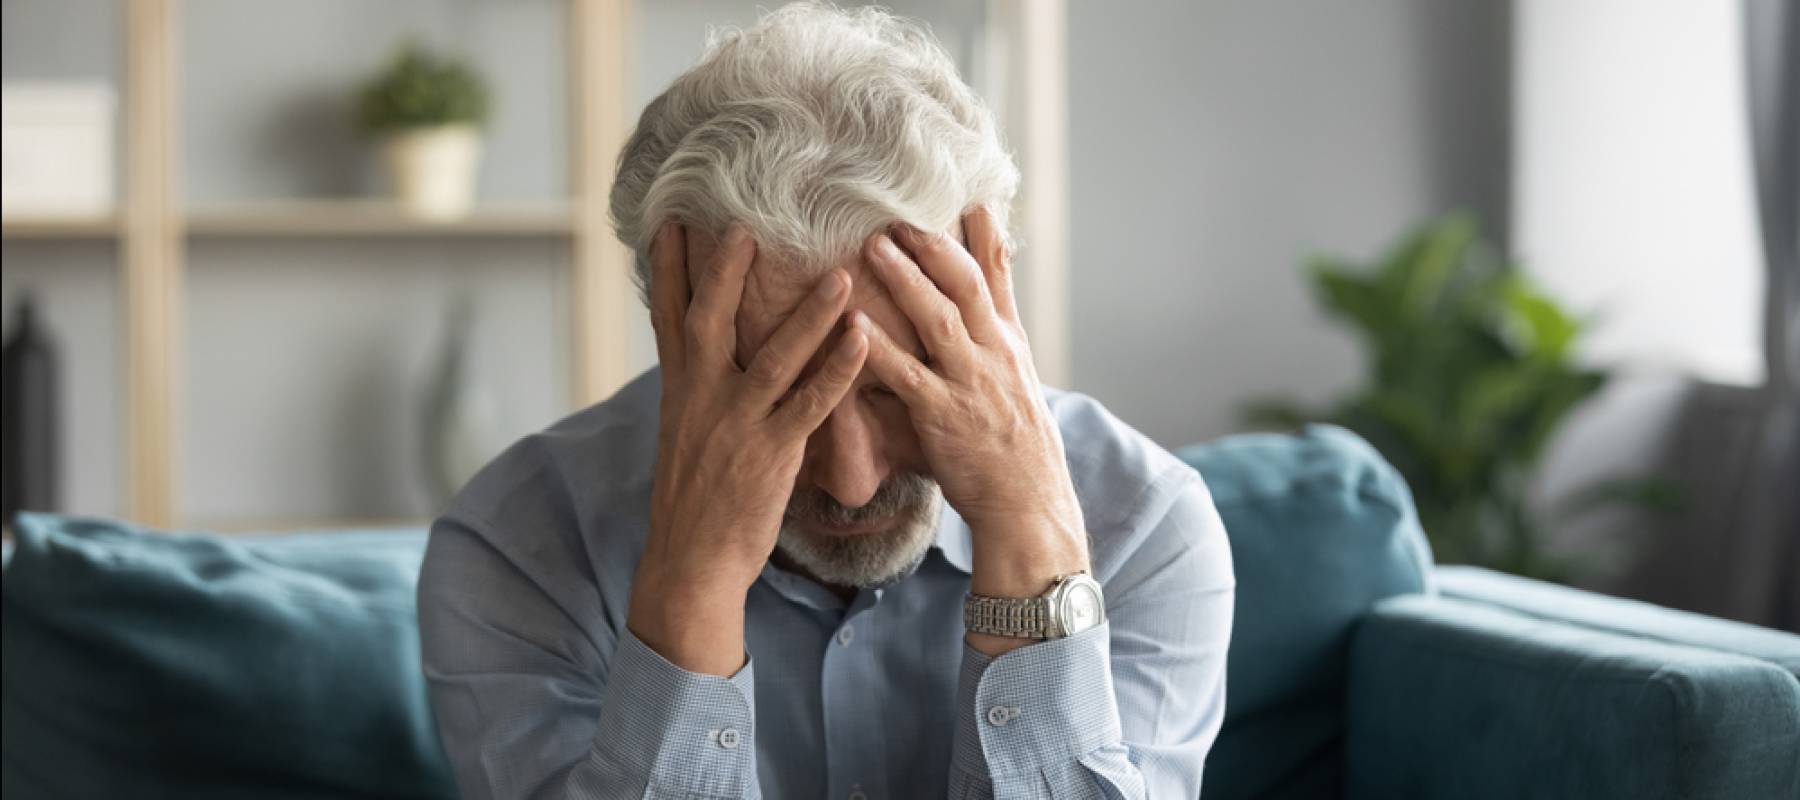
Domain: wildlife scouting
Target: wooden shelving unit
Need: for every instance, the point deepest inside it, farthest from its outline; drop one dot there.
(98, 226)
(153, 227)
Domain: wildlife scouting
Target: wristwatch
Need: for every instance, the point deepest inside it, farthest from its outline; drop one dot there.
(1073, 604)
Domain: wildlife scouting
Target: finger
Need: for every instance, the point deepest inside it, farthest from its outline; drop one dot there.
(908, 377)
(669, 294)
(780, 360)
(804, 411)
(956, 274)
(994, 254)
(712, 318)
(938, 320)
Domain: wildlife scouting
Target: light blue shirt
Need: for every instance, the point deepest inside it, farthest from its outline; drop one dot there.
(540, 690)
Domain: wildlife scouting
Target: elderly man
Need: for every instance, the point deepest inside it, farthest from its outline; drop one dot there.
(841, 543)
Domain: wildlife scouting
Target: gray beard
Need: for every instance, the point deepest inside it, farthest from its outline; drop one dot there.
(871, 560)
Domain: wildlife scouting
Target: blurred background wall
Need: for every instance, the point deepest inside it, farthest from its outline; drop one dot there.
(1207, 165)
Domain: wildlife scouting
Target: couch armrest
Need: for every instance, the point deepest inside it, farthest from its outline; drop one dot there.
(1629, 617)
(1454, 698)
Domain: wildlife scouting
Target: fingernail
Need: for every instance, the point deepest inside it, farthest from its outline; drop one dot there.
(832, 285)
(887, 248)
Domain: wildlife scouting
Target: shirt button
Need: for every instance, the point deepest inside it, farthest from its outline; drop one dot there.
(998, 717)
(845, 634)
(729, 738)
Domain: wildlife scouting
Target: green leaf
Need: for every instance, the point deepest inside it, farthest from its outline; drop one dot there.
(1351, 297)
(1407, 415)
(1276, 415)
(1568, 389)
(1541, 327)
(1654, 495)
(1495, 398)
(1421, 279)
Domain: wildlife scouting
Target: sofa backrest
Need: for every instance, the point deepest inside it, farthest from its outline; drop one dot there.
(1321, 528)
(119, 673)
(180, 665)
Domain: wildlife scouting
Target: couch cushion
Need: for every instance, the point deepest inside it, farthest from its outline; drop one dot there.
(1321, 528)
(148, 664)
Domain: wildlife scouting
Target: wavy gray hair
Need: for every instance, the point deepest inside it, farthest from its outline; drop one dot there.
(816, 127)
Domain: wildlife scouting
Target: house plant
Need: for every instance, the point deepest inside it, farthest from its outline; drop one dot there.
(1471, 371)
(428, 111)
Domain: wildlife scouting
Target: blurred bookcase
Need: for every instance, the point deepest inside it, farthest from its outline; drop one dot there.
(154, 226)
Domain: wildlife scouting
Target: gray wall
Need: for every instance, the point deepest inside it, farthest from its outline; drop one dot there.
(1215, 145)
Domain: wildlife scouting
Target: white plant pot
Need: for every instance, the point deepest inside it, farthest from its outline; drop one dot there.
(432, 170)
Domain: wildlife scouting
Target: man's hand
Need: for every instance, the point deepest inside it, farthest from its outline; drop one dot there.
(978, 408)
(729, 448)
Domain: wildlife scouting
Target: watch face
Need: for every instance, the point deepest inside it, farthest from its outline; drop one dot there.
(1081, 607)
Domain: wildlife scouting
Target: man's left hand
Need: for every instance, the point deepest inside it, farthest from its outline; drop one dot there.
(978, 409)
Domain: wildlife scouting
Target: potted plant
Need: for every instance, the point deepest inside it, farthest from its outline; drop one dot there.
(1471, 371)
(428, 111)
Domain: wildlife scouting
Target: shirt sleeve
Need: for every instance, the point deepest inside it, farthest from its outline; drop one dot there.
(1127, 709)
(528, 704)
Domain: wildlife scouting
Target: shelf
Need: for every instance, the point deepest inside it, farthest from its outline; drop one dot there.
(76, 226)
(357, 218)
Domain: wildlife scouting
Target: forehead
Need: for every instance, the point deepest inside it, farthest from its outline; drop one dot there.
(773, 291)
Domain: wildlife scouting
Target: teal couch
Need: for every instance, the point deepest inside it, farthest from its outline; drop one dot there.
(187, 665)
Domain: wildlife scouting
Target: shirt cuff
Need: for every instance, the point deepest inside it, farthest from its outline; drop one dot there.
(1041, 705)
(675, 730)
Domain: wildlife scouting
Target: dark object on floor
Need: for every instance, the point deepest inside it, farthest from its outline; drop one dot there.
(28, 440)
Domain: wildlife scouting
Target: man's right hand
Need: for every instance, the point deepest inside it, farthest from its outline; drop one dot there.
(730, 445)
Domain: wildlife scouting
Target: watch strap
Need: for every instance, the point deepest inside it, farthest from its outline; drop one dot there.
(1012, 617)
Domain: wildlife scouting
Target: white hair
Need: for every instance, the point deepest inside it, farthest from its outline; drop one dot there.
(816, 127)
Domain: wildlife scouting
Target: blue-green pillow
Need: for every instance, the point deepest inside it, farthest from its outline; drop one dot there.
(1321, 528)
(139, 663)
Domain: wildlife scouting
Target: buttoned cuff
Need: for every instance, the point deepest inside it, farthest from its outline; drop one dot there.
(1038, 707)
(675, 731)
